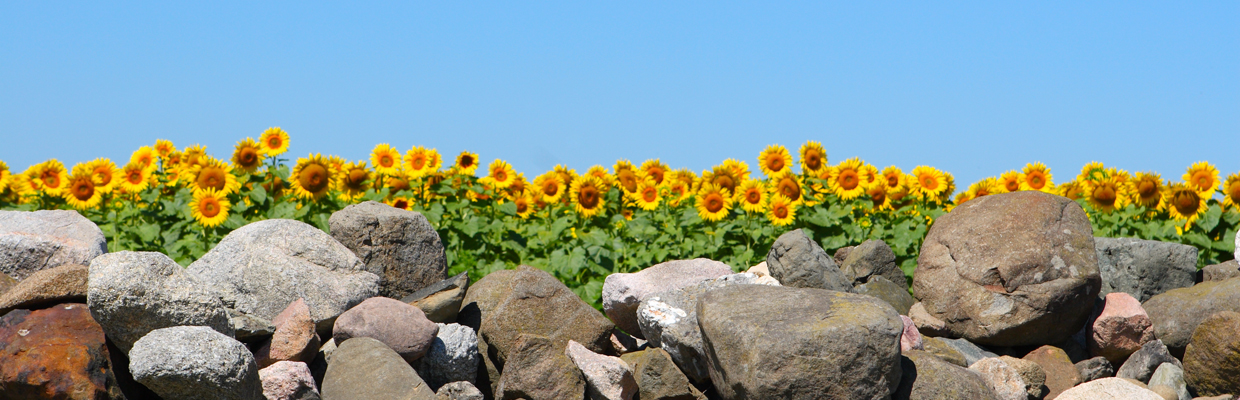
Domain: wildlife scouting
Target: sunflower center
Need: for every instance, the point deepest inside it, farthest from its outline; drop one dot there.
(893, 180)
(849, 179)
(419, 161)
(356, 179)
(1012, 185)
(500, 176)
(790, 189)
(1036, 180)
(650, 194)
(1203, 180)
(628, 180)
(878, 196)
(247, 157)
(467, 161)
(210, 207)
(398, 184)
(386, 161)
(211, 178)
(753, 196)
(134, 177)
(657, 174)
(314, 178)
(714, 202)
(1187, 202)
(726, 182)
(929, 182)
(1105, 195)
(780, 211)
(775, 164)
(1234, 191)
(588, 197)
(103, 175)
(813, 160)
(1147, 189)
(401, 204)
(83, 189)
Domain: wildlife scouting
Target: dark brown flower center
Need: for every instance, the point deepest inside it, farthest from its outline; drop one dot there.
(314, 178)
(714, 202)
(587, 196)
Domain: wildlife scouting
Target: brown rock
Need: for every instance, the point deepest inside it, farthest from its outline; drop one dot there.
(481, 299)
(294, 338)
(6, 282)
(1212, 359)
(926, 377)
(537, 369)
(54, 353)
(1221, 271)
(441, 301)
(1031, 373)
(1061, 374)
(399, 246)
(540, 305)
(402, 327)
(1121, 329)
(66, 283)
(658, 377)
(944, 351)
(1176, 313)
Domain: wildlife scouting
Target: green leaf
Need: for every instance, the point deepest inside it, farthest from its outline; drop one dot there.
(148, 232)
(258, 195)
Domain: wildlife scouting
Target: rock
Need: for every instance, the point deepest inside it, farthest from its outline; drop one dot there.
(623, 343)
(63, 284)
(841, 254)
(607, 377)
(288, 380)
(260, 268)
(538, 304)
(658, 378)
(249, 328)
(363, 368)
(195, 362)
(480, 300)
(1141, 364)
(1144, 268)
(1031, 373)
(6, 282)
(795, 260)
(399, 246)
(971, 352)
(926, 324)
(441, 301)
(453, 356)
(910, 339)
(1177, 312)
(888, 292)
(622, 293)
(1004, 380)
(34, 241)
(760, 270)
(1221, 271)
(1095, 368)
(873, 258)
(926, 377)
(459, 391)
(537, 369)
(133, 293)
(1171, 377)
(294, 338)
(1060, 373)
(944, 351)
(1212, 359)
(1109, 389)
(402, 327)
(1121, 328)
(760, 339)
(54, 353)
(1012, 269)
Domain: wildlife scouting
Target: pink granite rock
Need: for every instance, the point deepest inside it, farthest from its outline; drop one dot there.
(607, 377)
(288, 380)
(911, 338)
(401, 326)
(294, 338)
(1121, 328)
(622, 293)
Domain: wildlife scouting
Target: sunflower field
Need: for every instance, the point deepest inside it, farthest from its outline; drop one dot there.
(583, 226)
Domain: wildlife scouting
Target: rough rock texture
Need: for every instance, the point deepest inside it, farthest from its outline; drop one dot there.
(1010, 269)
(294, 338)
(133, 293)
(927, 324)
(249, 328)
(1144, 268)
(1221, 271)
(452, 357)
(402, 327)
(795, 260)
(1004, 380)
(1061, 374)
(1142, 363)
(260, 268)
(760, 339)
(1212, 359)
(1177, 312)
(1170, 378)
(399, 246)
(56, 353)
(658, 378)
(1109, 389)
(1095, 368)
(910, 339)
(872, 258)
(1121, 328)
(971, 352)
(63, 284)
(760, 270)
(34, 241)
(607, 377)
(537, 369)
(481, 300)
(926, 377)
(944, 351)
(288, 380)
(363, 368)
(195, 362)
(459, 391)
(892, 293)
(441, 301)
(1032, 373)
(670, 321)
(622, 293)
(538, 304)
(6, 282)
(623, 343)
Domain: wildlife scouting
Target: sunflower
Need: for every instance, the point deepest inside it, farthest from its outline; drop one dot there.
(191, 157)
(775, 159)
(740, 170)
(1147, 188)
(647, 196)
(145, 157)
(397, 183)
(209, 207)
(1036, 176)
(525, 205)
(1092, 170)
(1203, 177)
(846, 180)
(386, 159)
(872, 177)
(951, 187)
(213, 173)
(655, 169)
(567, 175)
(587, 193)
(312, 177)
(6, 176)
(1231, 191)
(680, 186)
(782, 211)
(164, 148)
(962, 198)
(893, 177)
(878, 197)
(104, 173)
(985, 187)
(549, 187)
(501, 174)
(466, 163)
(1072, 190)
(420, 161)
(1184, 201)
(49, 177)
(928, 182)
(19, 185)
(722, 176)
(247, 156)
(274, 141)
(400, 202)
(354, 180)
(753, 196)
(789, 186)
(134, 178)
(813, 158)
(519, 186)
(600, 172)
(81, 193)
(713, 202)
(627, 176)
(1009, 182)
(1107, 194)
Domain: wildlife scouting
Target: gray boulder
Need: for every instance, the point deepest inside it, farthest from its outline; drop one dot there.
(399, 246)
(926, 377)
(971, 352)
(366, 369)
(262, 267)
(63, 284)
(1095, 368)
(658, 378)
(1177, 312)
(441, 301)
(873, 258)
(760, 340)
(195, 362)
(459, 391)
(1221, 271)
(1141, 364)
(622, 292)
(538, 304)
(1171, 379)
(538, 369)
(1144, 268)
(35, 240)
(797, 261)
(133, 293)
(1109, 389)
(890, 292)
(452, 357)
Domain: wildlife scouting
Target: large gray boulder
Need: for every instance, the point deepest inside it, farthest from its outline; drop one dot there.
(195, 362)
(133, 293)
(37, 240)
(452, 357)
(538, 304)
(1109, 389)
(797, 261)
(760, 341)
(1144, 268)
(1142, 364)
(366, 369)
(1177, 312)
(399, 246)
(260, 268)
(622, 292)
(538, 369)
(1011, 269)
(926, 377)
(873, 258)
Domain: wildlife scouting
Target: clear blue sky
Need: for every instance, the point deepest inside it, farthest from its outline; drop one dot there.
(974, 89)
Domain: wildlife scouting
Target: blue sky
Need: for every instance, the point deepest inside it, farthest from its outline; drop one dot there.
(972, 88)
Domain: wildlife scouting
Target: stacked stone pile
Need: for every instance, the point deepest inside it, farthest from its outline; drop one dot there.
(1013, 298)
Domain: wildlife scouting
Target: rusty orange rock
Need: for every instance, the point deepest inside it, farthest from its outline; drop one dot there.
(54, 353)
